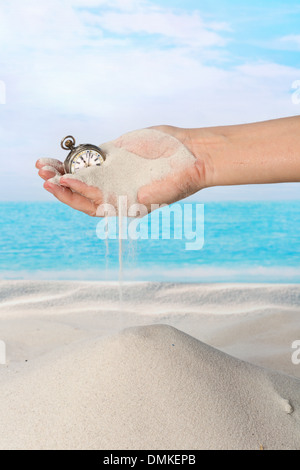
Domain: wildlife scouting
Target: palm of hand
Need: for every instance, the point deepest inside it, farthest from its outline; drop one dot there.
(87, 199)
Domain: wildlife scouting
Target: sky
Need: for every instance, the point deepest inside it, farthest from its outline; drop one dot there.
(97, 69)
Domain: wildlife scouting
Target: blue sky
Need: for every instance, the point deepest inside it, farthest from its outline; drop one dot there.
(97, 69)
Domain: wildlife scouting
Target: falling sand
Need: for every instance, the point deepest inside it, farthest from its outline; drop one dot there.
(132, 162)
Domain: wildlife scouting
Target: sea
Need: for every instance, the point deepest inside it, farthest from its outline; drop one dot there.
(253, 242)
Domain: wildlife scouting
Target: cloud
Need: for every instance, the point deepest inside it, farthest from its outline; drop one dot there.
(291, 41)
(74, 23)
(180, 29)
(97, 69)
(112, 4)
(84, 58)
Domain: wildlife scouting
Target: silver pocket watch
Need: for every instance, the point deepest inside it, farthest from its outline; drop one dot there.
(82, 156)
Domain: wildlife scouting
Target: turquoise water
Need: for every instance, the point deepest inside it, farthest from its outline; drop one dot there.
(244, 242)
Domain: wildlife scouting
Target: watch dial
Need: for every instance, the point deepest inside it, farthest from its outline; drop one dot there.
(85, 159)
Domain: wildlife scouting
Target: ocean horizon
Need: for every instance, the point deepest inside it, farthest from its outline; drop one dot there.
(243, 242)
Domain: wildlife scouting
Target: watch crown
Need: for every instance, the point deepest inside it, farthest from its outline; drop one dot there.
(68, 142)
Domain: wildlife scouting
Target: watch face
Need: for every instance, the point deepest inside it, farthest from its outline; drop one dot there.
(84, 159)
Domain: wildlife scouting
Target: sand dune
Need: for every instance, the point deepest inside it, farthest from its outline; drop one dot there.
(148, 388)
(74, 381)
(254, 322)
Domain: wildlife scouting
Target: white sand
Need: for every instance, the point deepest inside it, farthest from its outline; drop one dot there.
(123, 173)
(50, 163)
(52, 168)
(150, 387)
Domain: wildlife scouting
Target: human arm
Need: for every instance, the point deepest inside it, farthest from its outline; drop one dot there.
(264, 152)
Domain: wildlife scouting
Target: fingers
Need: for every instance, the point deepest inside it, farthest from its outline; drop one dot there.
(79, 187)
(42, 162)
(74, 200)
(48, 172)
(73, 193)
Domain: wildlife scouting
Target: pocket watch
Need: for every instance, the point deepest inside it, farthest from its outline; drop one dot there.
(82, 156)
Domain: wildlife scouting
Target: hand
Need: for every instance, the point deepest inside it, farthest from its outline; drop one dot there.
(176, 186)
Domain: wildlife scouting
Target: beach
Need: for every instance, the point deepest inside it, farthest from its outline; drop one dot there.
(150, 221)
(149, 365)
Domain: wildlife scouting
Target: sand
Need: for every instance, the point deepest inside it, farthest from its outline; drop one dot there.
(51, 164)
(87, 385)
(52, 169)
(123, 173)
